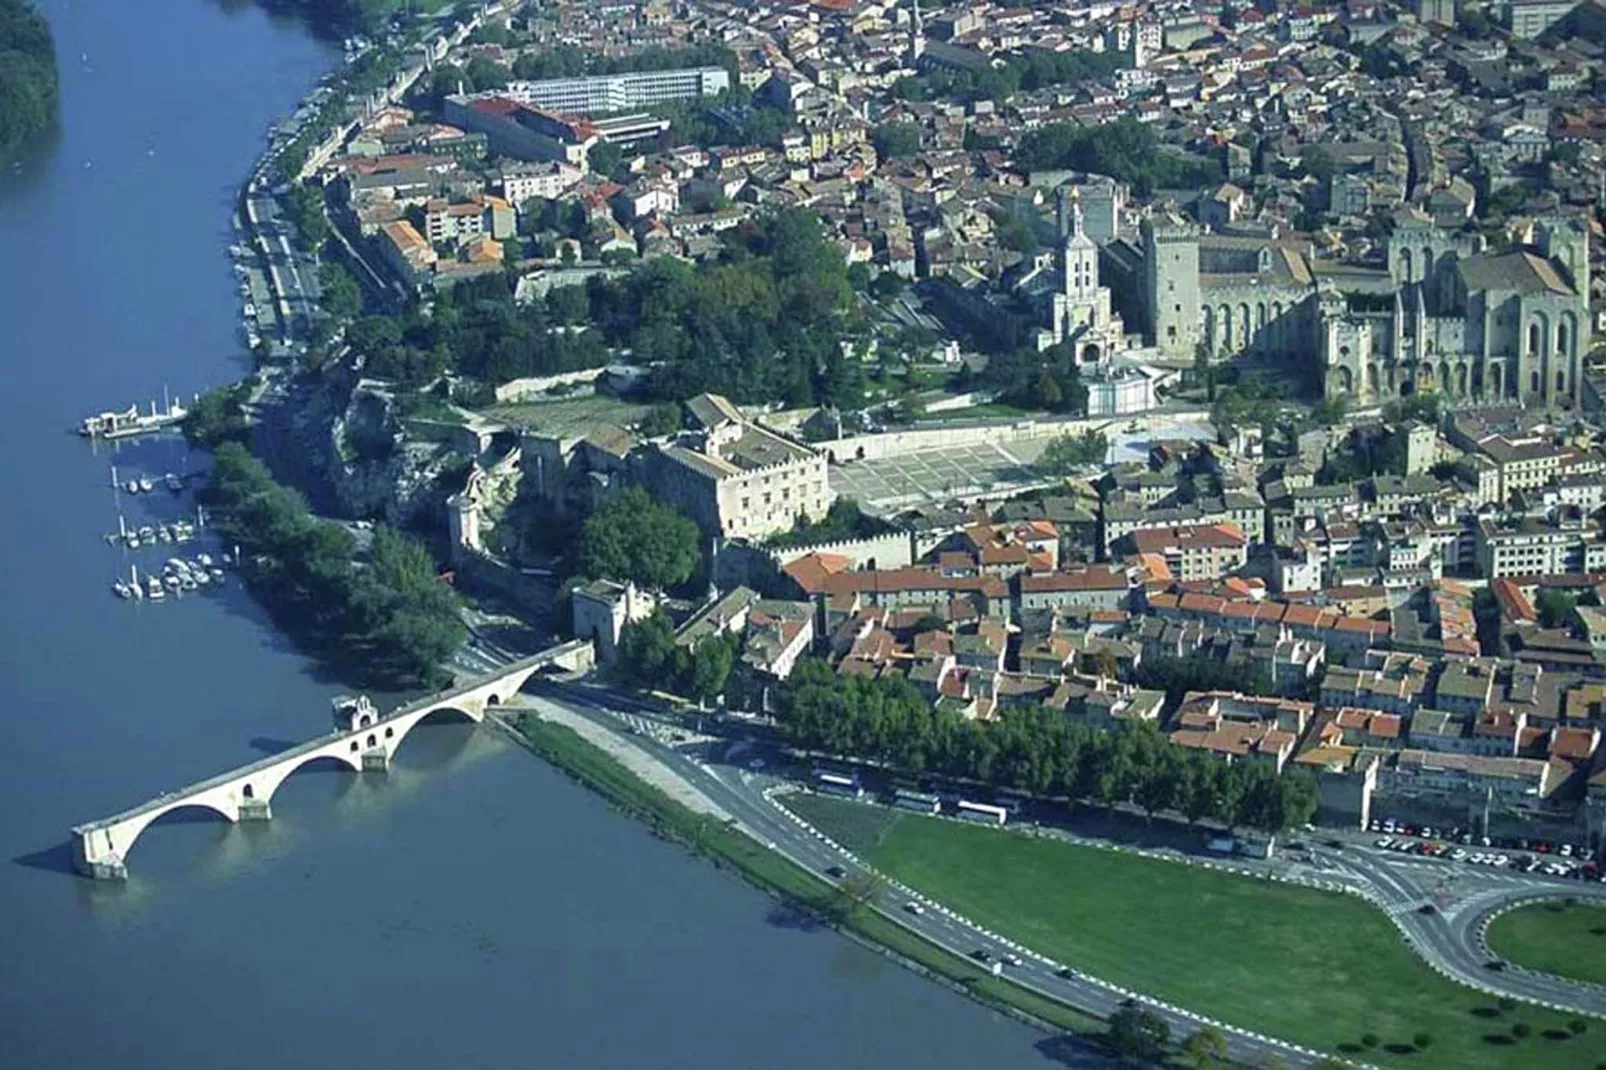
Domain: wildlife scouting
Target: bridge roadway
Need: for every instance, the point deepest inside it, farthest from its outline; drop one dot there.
(245, 794)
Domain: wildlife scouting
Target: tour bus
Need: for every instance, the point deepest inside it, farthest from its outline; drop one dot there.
(837, 784)
(984, 813)
(921, 802)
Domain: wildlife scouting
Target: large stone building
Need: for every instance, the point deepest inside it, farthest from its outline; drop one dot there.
(1464, 321)
(1171, 286)
(737, 480)
(1082, 310)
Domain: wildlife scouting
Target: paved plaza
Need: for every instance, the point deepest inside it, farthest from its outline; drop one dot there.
(939, 475)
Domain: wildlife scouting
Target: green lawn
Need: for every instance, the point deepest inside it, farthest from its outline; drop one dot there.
(767, 869)
(1566, 940)
(1318, 968)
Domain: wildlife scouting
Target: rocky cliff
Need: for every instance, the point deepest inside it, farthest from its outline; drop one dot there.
(360, 457)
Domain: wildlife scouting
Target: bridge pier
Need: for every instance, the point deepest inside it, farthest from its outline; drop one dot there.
(255, 810)
(107, 867)
(376, 760)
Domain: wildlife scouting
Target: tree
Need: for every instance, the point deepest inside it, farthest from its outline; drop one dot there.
(634, 538)
(304, 207)
(711, 662)
(29, 85)
(895, 139)
(859, 890)
(485, 74)
(1067, 453)
(1555, 607)
(661, 419)
(645, 655)
(1205, 1048)
(338, 292)
(605, 157)
(1137, 1035)
(1422, 1041)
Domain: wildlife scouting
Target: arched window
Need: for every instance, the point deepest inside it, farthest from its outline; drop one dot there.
(1533, 382)
(1561, 338)
(1533, 339)
(1561, 382)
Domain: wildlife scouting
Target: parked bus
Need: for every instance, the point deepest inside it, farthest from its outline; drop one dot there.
(837, 784)
(983, 813)
(921, 802)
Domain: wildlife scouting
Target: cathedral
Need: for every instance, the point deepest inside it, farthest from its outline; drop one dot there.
(1463, 321)
(1082, 314)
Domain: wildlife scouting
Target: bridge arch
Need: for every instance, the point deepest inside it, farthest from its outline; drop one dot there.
(403, 726)
(269, 784)
(123, 838)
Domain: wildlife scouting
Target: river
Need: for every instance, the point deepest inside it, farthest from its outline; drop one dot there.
(472, 907)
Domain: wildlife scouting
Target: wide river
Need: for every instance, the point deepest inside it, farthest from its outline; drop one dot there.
(471, 908)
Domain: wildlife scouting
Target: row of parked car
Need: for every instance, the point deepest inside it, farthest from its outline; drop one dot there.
(1555, 860)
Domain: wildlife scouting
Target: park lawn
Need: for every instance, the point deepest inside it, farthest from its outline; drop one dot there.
(1569, 941)
(1318, 968)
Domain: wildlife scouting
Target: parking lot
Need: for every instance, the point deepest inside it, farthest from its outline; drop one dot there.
(1512, 853)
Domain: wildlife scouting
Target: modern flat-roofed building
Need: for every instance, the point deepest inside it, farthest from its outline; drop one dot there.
(1530, 18)
(522, 132)
(605, 93)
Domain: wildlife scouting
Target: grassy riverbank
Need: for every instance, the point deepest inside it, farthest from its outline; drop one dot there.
(1568, 940)
(1320, 968)
(774, 873)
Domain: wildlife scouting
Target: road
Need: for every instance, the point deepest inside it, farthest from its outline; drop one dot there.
(741, 793)
(1449, 937)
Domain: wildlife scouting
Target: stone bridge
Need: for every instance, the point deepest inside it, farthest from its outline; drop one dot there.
(246, 793)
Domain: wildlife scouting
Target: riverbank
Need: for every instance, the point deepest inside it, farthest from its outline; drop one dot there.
(727, 845)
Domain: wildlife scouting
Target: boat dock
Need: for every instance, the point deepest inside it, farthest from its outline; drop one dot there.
(131, 422)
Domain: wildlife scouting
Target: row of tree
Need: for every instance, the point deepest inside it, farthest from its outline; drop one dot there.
(390, 621)
(29, 89)
(1035, 750)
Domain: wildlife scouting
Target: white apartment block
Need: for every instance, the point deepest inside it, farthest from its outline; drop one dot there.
(619, 92)
(550, 180)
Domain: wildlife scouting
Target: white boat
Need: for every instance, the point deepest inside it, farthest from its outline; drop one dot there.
(174, 483)
(204, 560)
(120, 589)
(132, 486)
(131, 540)
(164, 534)
(188, 583)
(173, 582)
(147, 534)
(153, 589)
(217, 576)
(146, 485)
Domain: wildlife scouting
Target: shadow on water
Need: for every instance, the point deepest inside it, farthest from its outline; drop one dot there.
(1075, 1052)
(791, 916)
(268, 745)
(57, 859)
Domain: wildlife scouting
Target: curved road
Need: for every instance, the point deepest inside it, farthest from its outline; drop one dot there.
(1450, 937)
(741, 795)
